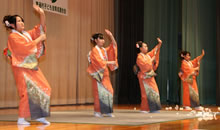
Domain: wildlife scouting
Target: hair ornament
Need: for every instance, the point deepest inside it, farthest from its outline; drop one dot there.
(182, 55)
(92, 39)
(137, 46)
(7, 23)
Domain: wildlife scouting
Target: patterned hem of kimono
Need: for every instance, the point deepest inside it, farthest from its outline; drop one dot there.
(34, 92)
(103, 98)
(194, 97)
(190, 94)
(150, 97)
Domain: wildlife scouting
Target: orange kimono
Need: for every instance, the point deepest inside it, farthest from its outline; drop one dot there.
(98, 69)
(188, 77)
(150, 98)
(33, 88)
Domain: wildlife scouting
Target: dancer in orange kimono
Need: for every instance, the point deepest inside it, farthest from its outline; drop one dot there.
(100, 59)
(148, 63)
(189, 71)
(24, 48)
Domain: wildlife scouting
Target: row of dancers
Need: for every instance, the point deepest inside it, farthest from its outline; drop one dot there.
(25, 47)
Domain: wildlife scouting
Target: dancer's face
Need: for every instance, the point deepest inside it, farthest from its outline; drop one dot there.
(144, 48)
(100, 42)
(19, 24)
(187, 57)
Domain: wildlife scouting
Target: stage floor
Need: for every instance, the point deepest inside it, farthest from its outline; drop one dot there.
(126, 117)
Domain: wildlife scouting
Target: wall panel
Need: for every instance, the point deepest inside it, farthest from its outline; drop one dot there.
(68, 43)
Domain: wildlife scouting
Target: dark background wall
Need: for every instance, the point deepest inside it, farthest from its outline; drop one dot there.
(163, 19)
(218, 52)
(129, 29)
(199, 32)
(187, 25)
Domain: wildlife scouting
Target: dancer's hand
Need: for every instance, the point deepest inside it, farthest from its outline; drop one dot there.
(203, 52)
(42, 15)
(159, 41)
(38, 9)
(196, 68)
(110, 36)
(108, 32)
(43, 37)
(201, 56)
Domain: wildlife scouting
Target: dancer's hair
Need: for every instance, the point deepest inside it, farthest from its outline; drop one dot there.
(96, 36)
(10, 19)
(184, 53)
(139, 44)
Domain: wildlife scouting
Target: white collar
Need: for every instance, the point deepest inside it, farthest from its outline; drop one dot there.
(144, 55)
(189, 63)
(100, 52)
(22, 34)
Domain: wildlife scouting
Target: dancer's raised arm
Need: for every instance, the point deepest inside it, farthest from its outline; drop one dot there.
(201, 56)
(110, 36)
(41, 13)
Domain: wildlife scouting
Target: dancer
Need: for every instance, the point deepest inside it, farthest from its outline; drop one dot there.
(148, 63)
(100, 59)
(189, 71)
(24, 48)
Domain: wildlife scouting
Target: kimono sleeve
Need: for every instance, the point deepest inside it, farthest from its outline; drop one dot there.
(41, 49)
(195, 62)
(35, 33)
(155, 52)
(157, 59)
(112, 53)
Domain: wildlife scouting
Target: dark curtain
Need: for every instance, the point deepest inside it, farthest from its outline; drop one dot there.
(162, 18)
(218, 52)
(181, 24)
(129, 29)
(199, 32)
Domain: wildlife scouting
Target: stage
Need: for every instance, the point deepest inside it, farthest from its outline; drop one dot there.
(126, 117)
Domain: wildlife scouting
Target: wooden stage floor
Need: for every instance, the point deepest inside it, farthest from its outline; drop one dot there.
(188, 124)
